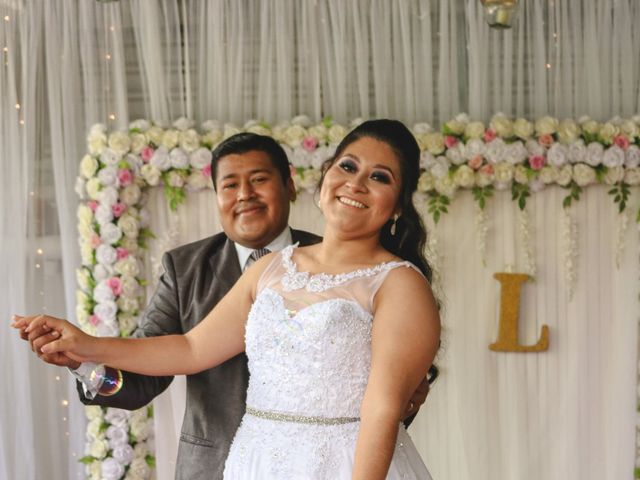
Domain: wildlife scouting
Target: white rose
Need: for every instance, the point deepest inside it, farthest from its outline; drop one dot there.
(629, 128)
(130, 195)
(568, 131)
(632, 156)
(183, 123)
(151, 175)
(520, 174)
(97, 143)
(503, 174)
(93, 428)
(455, 127)
(108, 328)
(308, 181)
(484, 179)
(140, 450)
(321, 155)
(139, 415)
(212, 137)
(102, 271)
(131, 244)
(170, 139)
(127, 323)
(108, 176)
(558, 154)
(474, 130)
(319, 131)
(108, 196)
(103, 292)
(293, 135)
(88, 166)
(139, 468)
(86, 254)
(104, 214)
(128, 305)
(614, 175)
(426, 182)
(127, 266)
(440, 167)
(110, 233)
(591, 127)
(93, 187)
(421, 128)
(140, 124)
(123, 453)
(175, 179)
(594, 154)
(139, 429)
(565, 175)
(502, 126)
(577, 151)
(474, 148)
(119, 142)
(446, 186)
(426, 159)
(98, 449)
(464, 177)
(523, 128)
(93, 411)
(154, 134)
(160, 159)
(632, 176)
(197, 181)
(117, 417)
(117, 435)
(130, 286)
(515, 153)
(456, 154)
(111, 469)
(608, 132)
(534, 148)
(583, 174)
(434, 142)
(549, 174)
(179, 158)
(110, 157)
(336, 133)
(200, 158)
(495, 151)
(299, 157)
(138, 142)
(128, 225)
(546, 125)
(613, 157)
(106, 310)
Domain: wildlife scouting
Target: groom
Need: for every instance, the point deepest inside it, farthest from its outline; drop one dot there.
(254, 189)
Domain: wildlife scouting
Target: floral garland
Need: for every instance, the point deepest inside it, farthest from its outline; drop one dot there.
(519, 155)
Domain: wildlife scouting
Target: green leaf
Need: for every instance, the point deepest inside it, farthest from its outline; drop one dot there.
(522, 202)
(103, 427)
(87, 459)
(151, 460)
(436, 216)
(135, 130)
(638, 216)
(566, 202)
(327, 121)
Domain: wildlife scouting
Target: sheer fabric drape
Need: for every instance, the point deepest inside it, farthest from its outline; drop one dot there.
(71, 64)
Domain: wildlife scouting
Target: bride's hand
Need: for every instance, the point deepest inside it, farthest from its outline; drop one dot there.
(71, 341)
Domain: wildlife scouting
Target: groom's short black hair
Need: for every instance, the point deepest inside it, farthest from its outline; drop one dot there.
(247, 142)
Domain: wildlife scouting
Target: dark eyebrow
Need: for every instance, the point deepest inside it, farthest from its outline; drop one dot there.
(252, 172)
(380, 166)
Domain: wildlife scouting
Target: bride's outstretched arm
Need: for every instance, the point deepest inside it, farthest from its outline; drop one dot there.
(217, 338)
(405, 337)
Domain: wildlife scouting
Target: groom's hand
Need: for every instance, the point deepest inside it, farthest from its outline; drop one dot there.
(39, 337)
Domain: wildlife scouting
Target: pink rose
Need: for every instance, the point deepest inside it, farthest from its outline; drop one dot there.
(206, 171)
(115, 284)
(121, 253)
(125, 176)
(94, 320)
(450, 141)
(146, 154)
(622, 141)
(310, 143)
(537, 162)
(118, 209)
(93, 205)
(489, 135)
(475, 162)
(95, 241)
(546, 140)
(487, 169)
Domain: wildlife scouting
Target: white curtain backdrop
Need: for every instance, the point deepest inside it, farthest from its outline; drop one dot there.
(65, 65)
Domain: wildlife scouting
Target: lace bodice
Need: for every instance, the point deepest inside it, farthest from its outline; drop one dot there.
(308, 338)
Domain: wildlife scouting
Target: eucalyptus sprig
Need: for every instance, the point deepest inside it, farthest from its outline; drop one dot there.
(574, 194)
(480, 195)
(437, 205)
(520, 192)
(620, 193)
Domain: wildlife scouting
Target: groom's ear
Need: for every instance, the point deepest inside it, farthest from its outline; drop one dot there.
(291, 190)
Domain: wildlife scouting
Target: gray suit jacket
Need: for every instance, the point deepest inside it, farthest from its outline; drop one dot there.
(196, 277)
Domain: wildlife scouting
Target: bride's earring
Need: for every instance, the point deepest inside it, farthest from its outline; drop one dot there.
(393, 224)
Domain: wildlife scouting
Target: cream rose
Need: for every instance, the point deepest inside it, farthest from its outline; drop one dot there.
(523, 128)
(119, 142)
(86, 254)
(464, 177)
(320, 132)
(128, 266)
(128, 225)
(259, 130)
(565, 175)
(614, 175)
(455, 127)
(293, 135)
(426, 182)
(128, 305)
(446, 186)
(97, 143)
(632, 176)
(189, 140)
(128, 324)
(88, 166)
(154, 134)
(520, 174)
(503, 174)
(629, 128)
(549, 174)
(151, 174)
(197, 181)
(98, 449)
(474, 130)
(183, 123)
(93, 188)
(583, 174)
(558, 154)
(212, 137)
(138, 142)
(546, 125)
(502, 126)
(568, 131)
(170, 139)
(434, 142)
(607, 132)
(130, 195)
(336, 133)
(92, 411)
(230, 130)
(591, 127)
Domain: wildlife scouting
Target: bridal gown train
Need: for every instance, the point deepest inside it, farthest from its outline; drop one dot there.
(308, 340)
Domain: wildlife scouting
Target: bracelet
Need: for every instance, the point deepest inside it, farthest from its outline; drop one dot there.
(110, 381)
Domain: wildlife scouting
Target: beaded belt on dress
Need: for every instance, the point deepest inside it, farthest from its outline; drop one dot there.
(289, 417)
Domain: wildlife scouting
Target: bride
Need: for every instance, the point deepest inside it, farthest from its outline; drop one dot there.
(338, 334)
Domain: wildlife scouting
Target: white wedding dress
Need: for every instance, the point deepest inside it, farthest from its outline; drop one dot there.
(308, 340)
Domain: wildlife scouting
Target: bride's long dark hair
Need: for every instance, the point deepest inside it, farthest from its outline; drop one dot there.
(410, 237)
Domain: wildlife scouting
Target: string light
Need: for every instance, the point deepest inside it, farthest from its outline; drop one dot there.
(65, 403)
(108, 56)
(57, 377)
(112, 116)
(21, 122)
(37, 265)
(548, 65)
(112, 28)
(6, 18)
(5, 49)
(39, 251)
(17, 106)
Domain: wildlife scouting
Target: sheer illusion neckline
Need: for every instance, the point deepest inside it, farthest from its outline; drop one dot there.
(295, 279)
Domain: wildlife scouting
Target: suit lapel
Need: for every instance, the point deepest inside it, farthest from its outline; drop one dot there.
(225, 267)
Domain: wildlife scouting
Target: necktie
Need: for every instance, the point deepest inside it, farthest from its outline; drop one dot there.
(256, 254)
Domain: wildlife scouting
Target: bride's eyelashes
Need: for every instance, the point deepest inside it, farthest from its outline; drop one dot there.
(350, 166)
